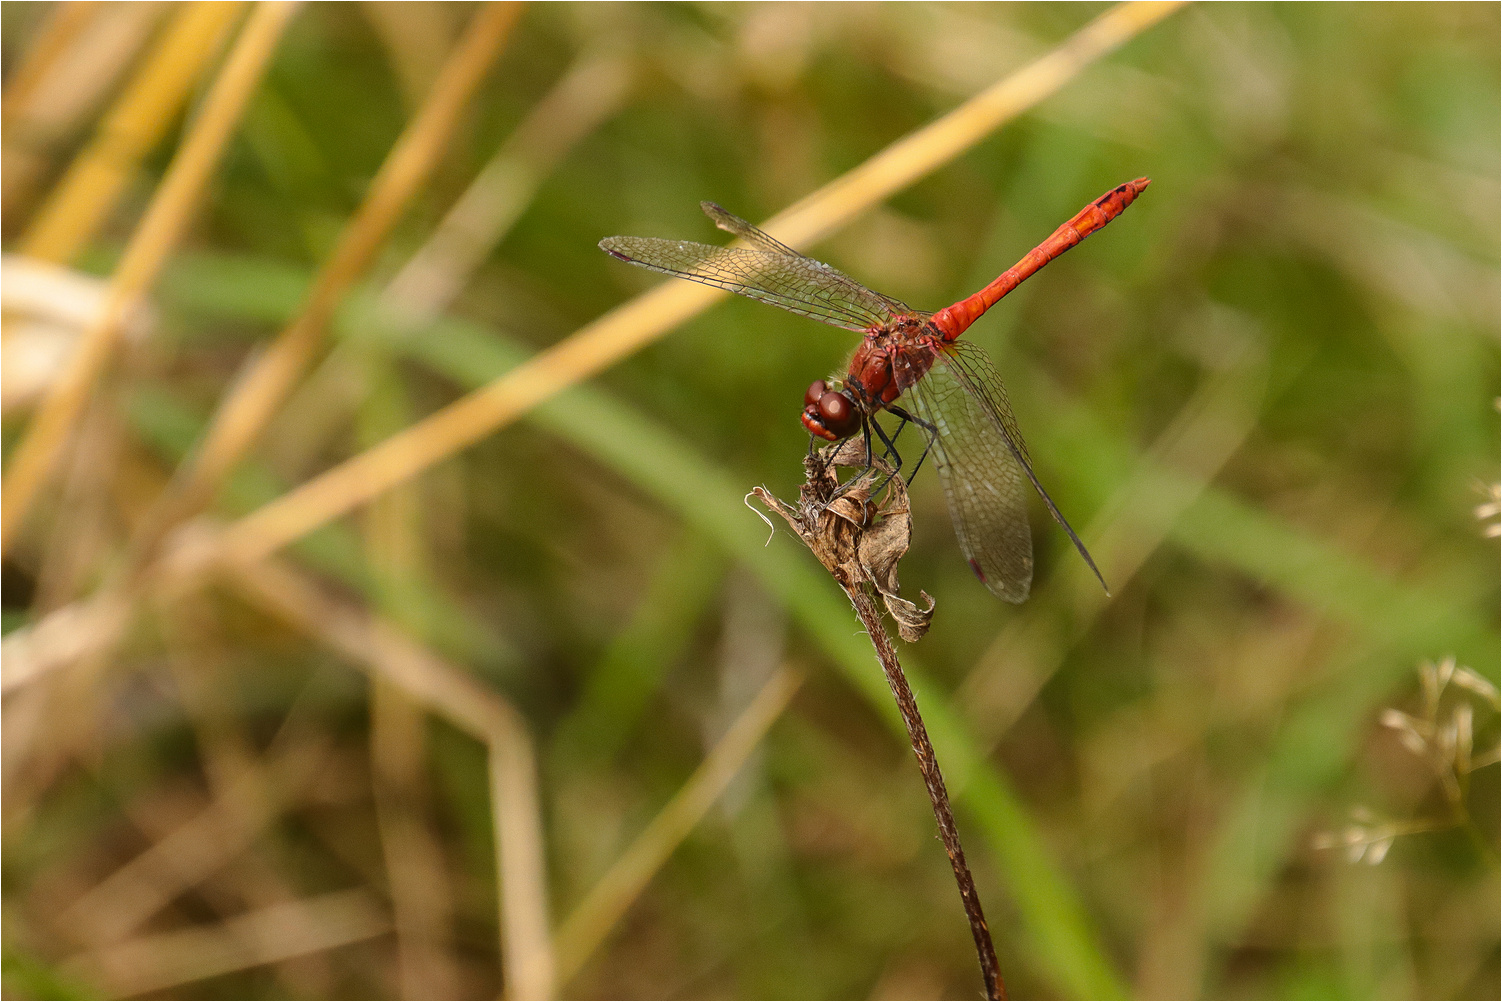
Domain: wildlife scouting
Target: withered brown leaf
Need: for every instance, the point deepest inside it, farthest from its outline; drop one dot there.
(858, 540)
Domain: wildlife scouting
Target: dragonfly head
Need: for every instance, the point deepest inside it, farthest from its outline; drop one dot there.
(830, 412)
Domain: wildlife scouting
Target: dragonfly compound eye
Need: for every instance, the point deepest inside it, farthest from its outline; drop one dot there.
(815, 390)
(838, 413)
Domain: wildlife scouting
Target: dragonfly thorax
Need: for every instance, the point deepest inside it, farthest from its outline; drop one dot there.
(891, 361)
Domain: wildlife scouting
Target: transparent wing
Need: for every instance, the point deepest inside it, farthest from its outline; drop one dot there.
(768, 270)
(984, 468)
(757, 238)
(983, 480)
(760, 240)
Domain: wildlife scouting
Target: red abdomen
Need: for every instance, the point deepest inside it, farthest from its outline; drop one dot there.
(952, 320)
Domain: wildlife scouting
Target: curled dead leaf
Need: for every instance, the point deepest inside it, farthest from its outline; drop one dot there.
(856, 539)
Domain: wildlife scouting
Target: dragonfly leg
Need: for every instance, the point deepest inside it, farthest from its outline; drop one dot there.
(870, 461)
(890, 443)
(933, 436)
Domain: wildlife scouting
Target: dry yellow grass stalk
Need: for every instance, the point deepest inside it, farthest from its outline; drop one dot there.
(64, 23)
(264, 936)
(80, 59)
(417, 38)
(586, 928)
(255, 398)
(132, 894)
(151, 243)
(593, 89)
(637, 323)
(383, 649)
(416, 874)
(137, 122)
(63, 637)
(923, 151)
(527, 959)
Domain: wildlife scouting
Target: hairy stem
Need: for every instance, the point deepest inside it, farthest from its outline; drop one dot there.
(928, 765)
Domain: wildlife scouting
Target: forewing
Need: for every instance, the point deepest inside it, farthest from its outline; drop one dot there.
(876, 303)
(768, 270)
(983, 477)
(757, 238)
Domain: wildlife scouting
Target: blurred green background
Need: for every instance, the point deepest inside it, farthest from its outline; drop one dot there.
(1265, 396)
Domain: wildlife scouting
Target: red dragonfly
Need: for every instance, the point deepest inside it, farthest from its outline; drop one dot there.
(959, 399)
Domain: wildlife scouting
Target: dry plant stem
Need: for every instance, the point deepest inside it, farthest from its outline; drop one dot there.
(860, 543)
(267, 935)
(256, 396)
(416, 874)
(587, 926)
(151, 243)
(381, 648)
(928, 765)
(528, 967)
(79, 537)
(921, 152)
(593, 89)
(417, 877)
(137, 122)
(643, 320)
(125, 899)
(64, 22)
(62, 638)
(45, 114)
